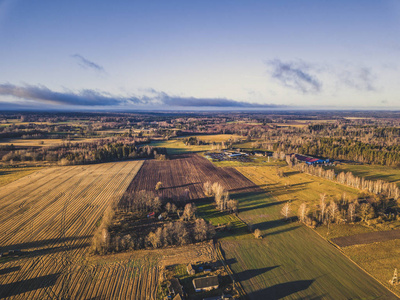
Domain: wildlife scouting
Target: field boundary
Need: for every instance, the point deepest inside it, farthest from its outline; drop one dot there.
(348, 257)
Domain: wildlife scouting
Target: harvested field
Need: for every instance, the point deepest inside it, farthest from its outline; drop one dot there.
(188, 172)
(49, 217)
(367, 238)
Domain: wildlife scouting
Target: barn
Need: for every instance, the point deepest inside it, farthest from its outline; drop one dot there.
(205, 283)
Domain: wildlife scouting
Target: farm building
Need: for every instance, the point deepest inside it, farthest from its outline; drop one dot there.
(309, 160)
(175, 287)
(205, 283)
(190, 269)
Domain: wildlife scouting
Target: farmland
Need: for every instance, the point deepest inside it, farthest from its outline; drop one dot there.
(8, 175)
(291, 261)
(49, 217)
(371, 172)
(176, 146)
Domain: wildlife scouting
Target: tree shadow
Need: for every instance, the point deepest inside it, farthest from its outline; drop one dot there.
(9, 270)
(287, 174)
(281, 290)
(42, 243)
(282, 231)
(24, 286)
(248, 274)
(269, 224)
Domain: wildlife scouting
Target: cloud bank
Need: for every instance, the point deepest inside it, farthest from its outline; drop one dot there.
(295, 75)
(85, 63)
(41, 94)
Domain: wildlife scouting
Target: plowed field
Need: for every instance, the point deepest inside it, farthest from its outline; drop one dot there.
(188, 172)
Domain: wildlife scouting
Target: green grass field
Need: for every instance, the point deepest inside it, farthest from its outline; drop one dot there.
(371, 172)
(379, 259)
(291, 261)
(8, 175)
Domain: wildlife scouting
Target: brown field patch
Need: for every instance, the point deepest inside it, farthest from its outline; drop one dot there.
(367, 238)
(188, 172)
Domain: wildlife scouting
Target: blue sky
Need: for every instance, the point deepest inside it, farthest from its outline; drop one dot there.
(129, 55)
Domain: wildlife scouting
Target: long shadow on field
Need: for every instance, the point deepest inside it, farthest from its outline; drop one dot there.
(43, 243)
(248, 274)
(23, 286)
(281, 290)
(9, 270)
(270, 224)
(282, 231)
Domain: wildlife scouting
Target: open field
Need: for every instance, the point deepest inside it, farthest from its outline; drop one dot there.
(187, 172)
(50, 216)
(291, 261)
(176, 145)
(40, 142)
(379, 259)
(295, 186)
(371, 172)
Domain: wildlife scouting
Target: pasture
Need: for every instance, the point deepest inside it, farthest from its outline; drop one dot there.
(295, 186)
(371, 172)
(291, 261)
(49, 217)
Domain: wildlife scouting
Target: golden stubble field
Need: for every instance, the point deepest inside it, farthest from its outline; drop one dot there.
(50, 216)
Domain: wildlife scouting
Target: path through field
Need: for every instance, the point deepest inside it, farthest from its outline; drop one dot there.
(50, 217)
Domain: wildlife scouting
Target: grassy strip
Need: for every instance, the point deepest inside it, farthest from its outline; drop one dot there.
(8, 175)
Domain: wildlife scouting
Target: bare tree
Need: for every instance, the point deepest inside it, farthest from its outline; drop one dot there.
(333, 211)
(200, 230)
(207, 189)
(286, 210)
(189, 211)
(322, 206)
(352, 211)
(233, 206)
(302, 212)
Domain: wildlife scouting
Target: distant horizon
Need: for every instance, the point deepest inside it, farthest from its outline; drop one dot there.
(228, 54)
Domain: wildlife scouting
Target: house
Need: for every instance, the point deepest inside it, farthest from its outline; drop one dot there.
(205, 283)
(190, 269)
(175, 287)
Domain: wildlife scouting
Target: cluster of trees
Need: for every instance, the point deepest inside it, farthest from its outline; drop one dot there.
(366, 209)
(378, 187)
(180, 233)
(221, 196)
(144, 220)
(103, 150)
(343, 211)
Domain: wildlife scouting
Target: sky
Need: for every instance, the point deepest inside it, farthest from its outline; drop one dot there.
(131, 55)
